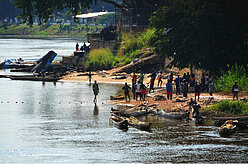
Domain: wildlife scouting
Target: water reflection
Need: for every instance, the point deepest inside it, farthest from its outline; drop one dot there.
(95, 111)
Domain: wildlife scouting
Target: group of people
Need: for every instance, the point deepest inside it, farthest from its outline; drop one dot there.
(84, 48)
(182, 85)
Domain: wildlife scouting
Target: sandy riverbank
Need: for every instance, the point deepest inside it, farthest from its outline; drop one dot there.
(169, 105)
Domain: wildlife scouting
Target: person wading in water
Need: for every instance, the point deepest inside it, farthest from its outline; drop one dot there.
(95, 90)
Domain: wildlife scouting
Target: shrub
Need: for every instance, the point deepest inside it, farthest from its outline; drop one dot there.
(131, 44)
(100, 59)
(225, 81)
(234, 107)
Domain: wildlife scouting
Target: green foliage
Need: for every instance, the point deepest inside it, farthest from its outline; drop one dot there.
(131, 44)
(233, 107)
(206, 34)
(65, 30)
(226, 80)
(100, 59)
(108, 19)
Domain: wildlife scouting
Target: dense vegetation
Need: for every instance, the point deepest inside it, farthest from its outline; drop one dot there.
(131, 45)
(100, 59)
(226, 80)
(233, 107)
(63, 29)
(45, 9)
(208, 34)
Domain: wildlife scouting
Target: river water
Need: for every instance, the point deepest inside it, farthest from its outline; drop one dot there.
(58, 122)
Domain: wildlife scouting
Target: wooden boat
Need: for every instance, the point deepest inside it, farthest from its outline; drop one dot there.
(119, 122)
(134, 122)
(172, 115)
(132, 112)
(2, 64)
(35, 78)
(198, 121)
(228, 128)
(117, 97)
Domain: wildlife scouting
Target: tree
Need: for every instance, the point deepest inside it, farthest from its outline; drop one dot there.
(44, 9)
(206, 34)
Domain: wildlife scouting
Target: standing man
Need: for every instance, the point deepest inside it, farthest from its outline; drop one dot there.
(185, 88)
(90, 77)
(178, 85)
(211, 88)
(138, 90)
(95, 90)
(77, 47)
(197, 91)
(126, 89)
(235, 90)
(134, 77)
(133, 88)
(141, 77)
(169, 90)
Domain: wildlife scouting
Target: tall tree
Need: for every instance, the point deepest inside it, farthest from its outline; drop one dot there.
(208, 34)
(44, 9)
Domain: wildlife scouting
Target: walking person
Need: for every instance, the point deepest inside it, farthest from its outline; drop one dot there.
(169, 90)
(95, 90)
(197, 91)
(126, 90)
(211, 88)
(160, 82)
(235, 90)
(151, 84)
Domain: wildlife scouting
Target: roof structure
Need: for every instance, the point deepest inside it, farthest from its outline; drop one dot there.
(92, 15)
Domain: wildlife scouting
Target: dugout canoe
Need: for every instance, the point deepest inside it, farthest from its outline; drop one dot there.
(171, 115)
(134, 122)
(119, 122)
(35, 78)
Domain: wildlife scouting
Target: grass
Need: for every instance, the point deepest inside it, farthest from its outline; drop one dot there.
(66, 30)
(100, 59)
(129, 45)
(232, 107)
(225, 81)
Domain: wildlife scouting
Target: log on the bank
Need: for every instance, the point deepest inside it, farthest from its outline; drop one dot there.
(144, 64)
(242, 121)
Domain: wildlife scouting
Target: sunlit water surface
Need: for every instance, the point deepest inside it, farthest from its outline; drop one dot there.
(58, 122)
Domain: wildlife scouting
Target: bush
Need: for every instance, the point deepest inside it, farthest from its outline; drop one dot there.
(100, 59)
(225, 81)
(131, 44)
(234, 107)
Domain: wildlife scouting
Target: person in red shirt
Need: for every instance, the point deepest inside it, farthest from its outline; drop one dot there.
(160, 82)
(134, 77)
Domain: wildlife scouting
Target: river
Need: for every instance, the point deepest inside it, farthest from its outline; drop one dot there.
(58, 122)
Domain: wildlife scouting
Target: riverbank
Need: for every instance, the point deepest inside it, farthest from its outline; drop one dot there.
(55, 30)
(178, 103)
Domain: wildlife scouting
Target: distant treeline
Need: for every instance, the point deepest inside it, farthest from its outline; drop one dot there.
(45, 30)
